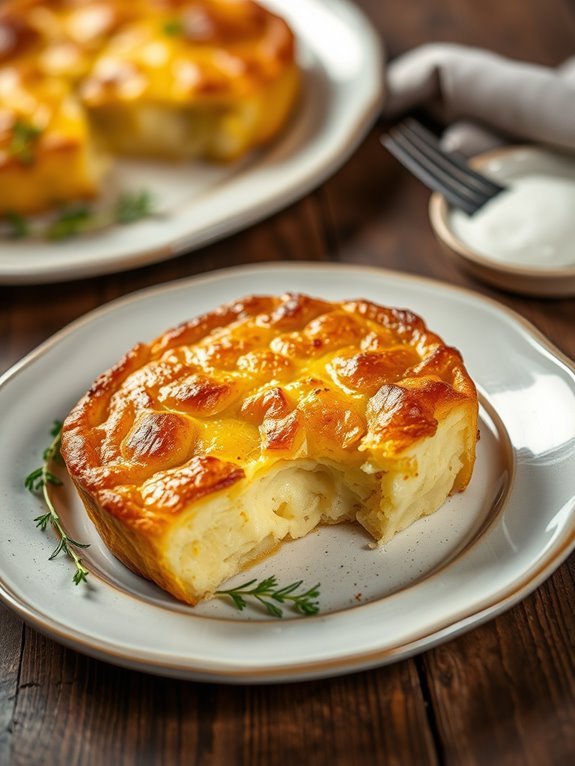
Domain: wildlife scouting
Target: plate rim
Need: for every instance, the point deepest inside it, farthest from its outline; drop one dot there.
(214, 274)
(216, 670)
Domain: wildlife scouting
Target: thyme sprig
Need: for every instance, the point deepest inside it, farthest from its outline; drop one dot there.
(70, 222)
(133, 206)
(39, 482)
(266, 592)
(18, 226)
(78, 218)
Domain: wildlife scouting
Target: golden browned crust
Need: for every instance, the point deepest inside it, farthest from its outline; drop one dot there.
(255, 381)
(233, 44)
(215, 51)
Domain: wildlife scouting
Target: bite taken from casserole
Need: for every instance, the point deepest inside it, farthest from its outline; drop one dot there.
(199, 453)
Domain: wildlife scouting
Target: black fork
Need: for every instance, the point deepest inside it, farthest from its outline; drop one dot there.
(419, 151)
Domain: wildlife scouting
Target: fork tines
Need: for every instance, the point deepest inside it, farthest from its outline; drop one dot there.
(419, 151)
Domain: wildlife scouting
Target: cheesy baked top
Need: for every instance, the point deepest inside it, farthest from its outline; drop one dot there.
(156, 78)
(200, 452)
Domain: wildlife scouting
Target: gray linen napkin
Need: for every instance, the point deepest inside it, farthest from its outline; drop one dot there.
(494, 99)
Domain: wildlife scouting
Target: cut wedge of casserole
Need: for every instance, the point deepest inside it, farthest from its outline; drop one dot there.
(177, 79)
(199, 453)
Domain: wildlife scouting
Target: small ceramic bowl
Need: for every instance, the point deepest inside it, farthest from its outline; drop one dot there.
(522, 271)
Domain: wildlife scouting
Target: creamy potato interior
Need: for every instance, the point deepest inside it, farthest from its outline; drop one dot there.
(221, 131)
(216, 539)
(228, 532)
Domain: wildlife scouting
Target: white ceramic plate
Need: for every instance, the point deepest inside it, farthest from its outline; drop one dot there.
(478, 555)
(340, 54)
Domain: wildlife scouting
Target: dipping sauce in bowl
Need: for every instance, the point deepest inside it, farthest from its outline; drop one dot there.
(524, 238)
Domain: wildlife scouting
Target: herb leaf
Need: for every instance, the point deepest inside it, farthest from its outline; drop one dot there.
(23, 142)
(132, 206)
(267, 591)
(18, 226)
(69, 222)
(129, 207)
(38, 481)
(173, 27)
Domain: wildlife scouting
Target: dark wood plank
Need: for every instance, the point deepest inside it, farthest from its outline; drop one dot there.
(11, 638)
(505, 692)
(135, 719)
(531, 30)
(31, 313)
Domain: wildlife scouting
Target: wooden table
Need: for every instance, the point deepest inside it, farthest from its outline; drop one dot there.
(504, 693)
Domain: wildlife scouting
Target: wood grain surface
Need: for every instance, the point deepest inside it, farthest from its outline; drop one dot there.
(503, 693)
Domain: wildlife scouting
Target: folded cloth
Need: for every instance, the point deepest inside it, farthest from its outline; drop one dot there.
(519, 100)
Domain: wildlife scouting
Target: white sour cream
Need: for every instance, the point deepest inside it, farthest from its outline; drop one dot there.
(530, 224)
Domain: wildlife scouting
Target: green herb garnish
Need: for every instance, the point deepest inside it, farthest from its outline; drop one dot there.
(173, 27)
(70, 221)
(132, 206)
(77, 219)
(303, 603)
(23, 142)
(18, 225)
(39, 482)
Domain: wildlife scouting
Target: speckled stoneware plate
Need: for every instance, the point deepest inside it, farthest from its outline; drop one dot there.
(341, 57)
(482, 552)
